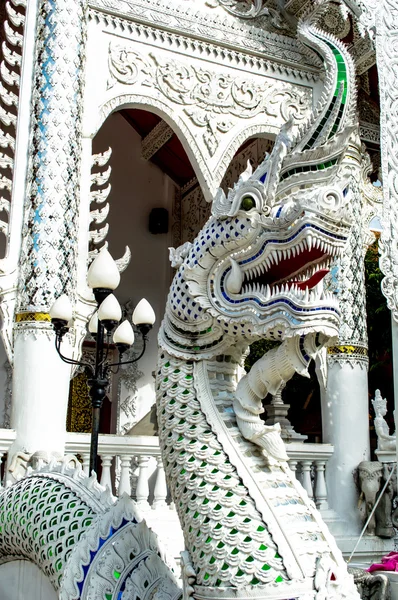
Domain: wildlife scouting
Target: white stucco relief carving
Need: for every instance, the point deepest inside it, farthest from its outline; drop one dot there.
(201, 21)
(387, 60)
(212, 110)
(246, 10)
(212, 100)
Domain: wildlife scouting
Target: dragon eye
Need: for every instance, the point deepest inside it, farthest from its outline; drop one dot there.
(247, 203)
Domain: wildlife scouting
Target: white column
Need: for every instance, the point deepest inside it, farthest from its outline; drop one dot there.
(345, 420)
(40, 391)
(345, 424)
(394, 336)
(386, 20)
(48, 253)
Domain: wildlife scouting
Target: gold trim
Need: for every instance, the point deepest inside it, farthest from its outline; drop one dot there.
(32, 316)
(350, 350)
(79, 417)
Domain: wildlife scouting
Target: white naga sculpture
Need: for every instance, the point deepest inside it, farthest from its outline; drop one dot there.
(86, 542)
(385, 440)
(255, 271)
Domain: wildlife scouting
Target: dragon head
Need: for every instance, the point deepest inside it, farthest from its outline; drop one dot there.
(257, 267)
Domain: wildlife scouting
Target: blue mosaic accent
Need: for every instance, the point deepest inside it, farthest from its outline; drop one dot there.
(93, 554)
(302, 349)
(263, 177)
(50, 245)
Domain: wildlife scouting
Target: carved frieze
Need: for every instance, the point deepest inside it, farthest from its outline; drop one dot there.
(156, 139)
(213, 100)
(334, 21)
(387, 58)
(252, 10)
(202, 23)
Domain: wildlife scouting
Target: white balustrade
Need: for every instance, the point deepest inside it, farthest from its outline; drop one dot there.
(309, 462)
(125, 459)
(122, 459)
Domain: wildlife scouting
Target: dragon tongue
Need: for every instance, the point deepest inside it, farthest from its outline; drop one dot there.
(311, 282)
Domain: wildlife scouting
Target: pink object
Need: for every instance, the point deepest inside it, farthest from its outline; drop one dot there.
(388, 563)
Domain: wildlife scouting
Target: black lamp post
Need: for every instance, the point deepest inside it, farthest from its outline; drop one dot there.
(103, 277)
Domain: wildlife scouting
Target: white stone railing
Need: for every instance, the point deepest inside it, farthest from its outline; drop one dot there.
(141, 454)
(7, 436)
(124, 454)
(309, 462)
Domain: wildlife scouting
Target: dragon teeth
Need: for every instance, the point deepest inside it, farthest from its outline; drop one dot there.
(235, 278)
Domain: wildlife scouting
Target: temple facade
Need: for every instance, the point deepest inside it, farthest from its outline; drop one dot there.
(120, 122)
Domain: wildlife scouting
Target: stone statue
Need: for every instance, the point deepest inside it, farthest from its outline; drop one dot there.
(385, 441)
(384, 514)
(372, 477)
(371, 586)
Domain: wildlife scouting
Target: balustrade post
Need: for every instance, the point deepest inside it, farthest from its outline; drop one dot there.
(321, 494)
(125, 483)
(306, 475)
(106, 462)
(86, 463)
(299, 471)
(293, 467)
(142, 492)
(160, 492)
(1, 463)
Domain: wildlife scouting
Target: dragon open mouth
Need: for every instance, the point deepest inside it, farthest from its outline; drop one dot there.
(301, 267)
(293, 268)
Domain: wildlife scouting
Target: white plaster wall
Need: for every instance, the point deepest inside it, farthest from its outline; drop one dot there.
(137, 187)
(20, 580)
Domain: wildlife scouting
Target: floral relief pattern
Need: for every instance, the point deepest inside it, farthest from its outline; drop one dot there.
(386, 41)
(212, 100)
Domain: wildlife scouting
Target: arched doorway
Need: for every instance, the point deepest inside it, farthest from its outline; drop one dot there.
(150, 171)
